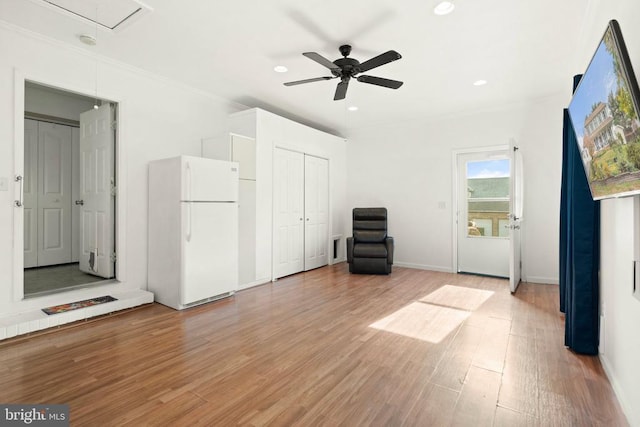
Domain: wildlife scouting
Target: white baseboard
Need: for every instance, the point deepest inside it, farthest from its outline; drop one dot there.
(542, 280)
(254, 283)
(631, 412)
(424, 267)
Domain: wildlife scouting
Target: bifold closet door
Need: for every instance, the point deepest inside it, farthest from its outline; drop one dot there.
(54, 194)
(288, 200)
(316, 211)
(30, 193)
(301, 207)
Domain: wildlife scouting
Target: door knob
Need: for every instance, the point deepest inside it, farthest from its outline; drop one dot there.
(80, 202)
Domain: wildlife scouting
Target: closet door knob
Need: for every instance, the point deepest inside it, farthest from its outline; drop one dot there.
(80, 202)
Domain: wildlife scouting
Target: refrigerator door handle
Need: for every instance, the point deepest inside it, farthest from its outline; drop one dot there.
(188, 222)
(188, 170)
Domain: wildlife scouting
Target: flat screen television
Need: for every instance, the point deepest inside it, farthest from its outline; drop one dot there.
(604, 114)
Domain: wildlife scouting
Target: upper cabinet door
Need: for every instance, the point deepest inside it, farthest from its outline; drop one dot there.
(244, 152)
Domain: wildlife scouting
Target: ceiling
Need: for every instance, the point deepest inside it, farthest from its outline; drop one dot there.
(524, 49)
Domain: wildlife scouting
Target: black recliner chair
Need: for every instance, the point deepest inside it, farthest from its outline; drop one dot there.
(370, 250)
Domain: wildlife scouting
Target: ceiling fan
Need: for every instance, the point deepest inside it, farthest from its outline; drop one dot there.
(345, 68)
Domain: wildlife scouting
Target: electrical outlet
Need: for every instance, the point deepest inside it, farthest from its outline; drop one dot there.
(4, 183)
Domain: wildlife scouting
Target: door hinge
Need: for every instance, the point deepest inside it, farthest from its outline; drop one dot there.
(114, 125)
(113, 257)
(114, 189)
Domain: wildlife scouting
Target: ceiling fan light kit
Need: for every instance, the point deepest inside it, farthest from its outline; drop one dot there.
(346, 68)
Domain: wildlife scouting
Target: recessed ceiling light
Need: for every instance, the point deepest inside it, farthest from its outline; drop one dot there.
(480, 83)
(444, 8)
(87, 39)
(280, 69)
(352, 108)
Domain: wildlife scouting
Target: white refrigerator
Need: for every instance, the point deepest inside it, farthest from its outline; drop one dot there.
(193, 230)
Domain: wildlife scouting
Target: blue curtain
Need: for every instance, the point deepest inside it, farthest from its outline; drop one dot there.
(579, 248)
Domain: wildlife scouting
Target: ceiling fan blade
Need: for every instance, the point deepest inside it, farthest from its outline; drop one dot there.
(341, 90)
(379, 81)
(315, 79)
(379, 60)
(321, 60)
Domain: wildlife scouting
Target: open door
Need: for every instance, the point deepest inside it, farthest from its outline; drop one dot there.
(97, 191)
(515, 217)
(483, 211)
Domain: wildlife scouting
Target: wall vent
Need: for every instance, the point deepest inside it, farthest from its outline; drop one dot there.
(111, 15)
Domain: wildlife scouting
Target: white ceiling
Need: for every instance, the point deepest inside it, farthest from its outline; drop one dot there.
(523, 48)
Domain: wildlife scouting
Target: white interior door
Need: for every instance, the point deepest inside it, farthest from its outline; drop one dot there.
(515, 265)
(316, 212)
(54, 194)
(75, 194)
(483, 212)
(97, 180)
(288, 200)
(30, 193)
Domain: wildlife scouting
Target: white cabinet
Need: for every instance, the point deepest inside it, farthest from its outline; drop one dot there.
(254, 137)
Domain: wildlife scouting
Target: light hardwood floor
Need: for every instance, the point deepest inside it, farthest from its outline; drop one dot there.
(302, 352)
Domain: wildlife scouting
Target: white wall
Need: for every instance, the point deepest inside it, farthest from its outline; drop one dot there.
(620, 351)
(157, 119)
(407, 168)
(41, 100)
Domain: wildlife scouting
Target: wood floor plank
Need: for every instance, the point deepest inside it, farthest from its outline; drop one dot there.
(301, 351)
(454, 367)
(491, 351)
(519, 390)
(476, 405)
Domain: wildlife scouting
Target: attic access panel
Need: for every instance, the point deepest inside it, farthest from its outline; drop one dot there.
(109, 14)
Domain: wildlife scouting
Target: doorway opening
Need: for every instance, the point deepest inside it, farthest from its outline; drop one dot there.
(488, 213)
(483, 213)
(68, 190)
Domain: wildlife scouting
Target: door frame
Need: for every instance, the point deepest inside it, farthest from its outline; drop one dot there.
(455, 194)
(20, 78)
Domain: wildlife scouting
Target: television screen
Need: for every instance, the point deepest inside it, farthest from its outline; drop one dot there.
(604, 115)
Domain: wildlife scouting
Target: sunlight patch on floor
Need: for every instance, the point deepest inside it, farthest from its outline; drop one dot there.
(422, 321)
(458, 297)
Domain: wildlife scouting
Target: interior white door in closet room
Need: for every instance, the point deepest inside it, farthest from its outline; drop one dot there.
(97, 191)
(54, 194)
(301, 206)
(30, 193)
(316, 211)
(288, 201)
